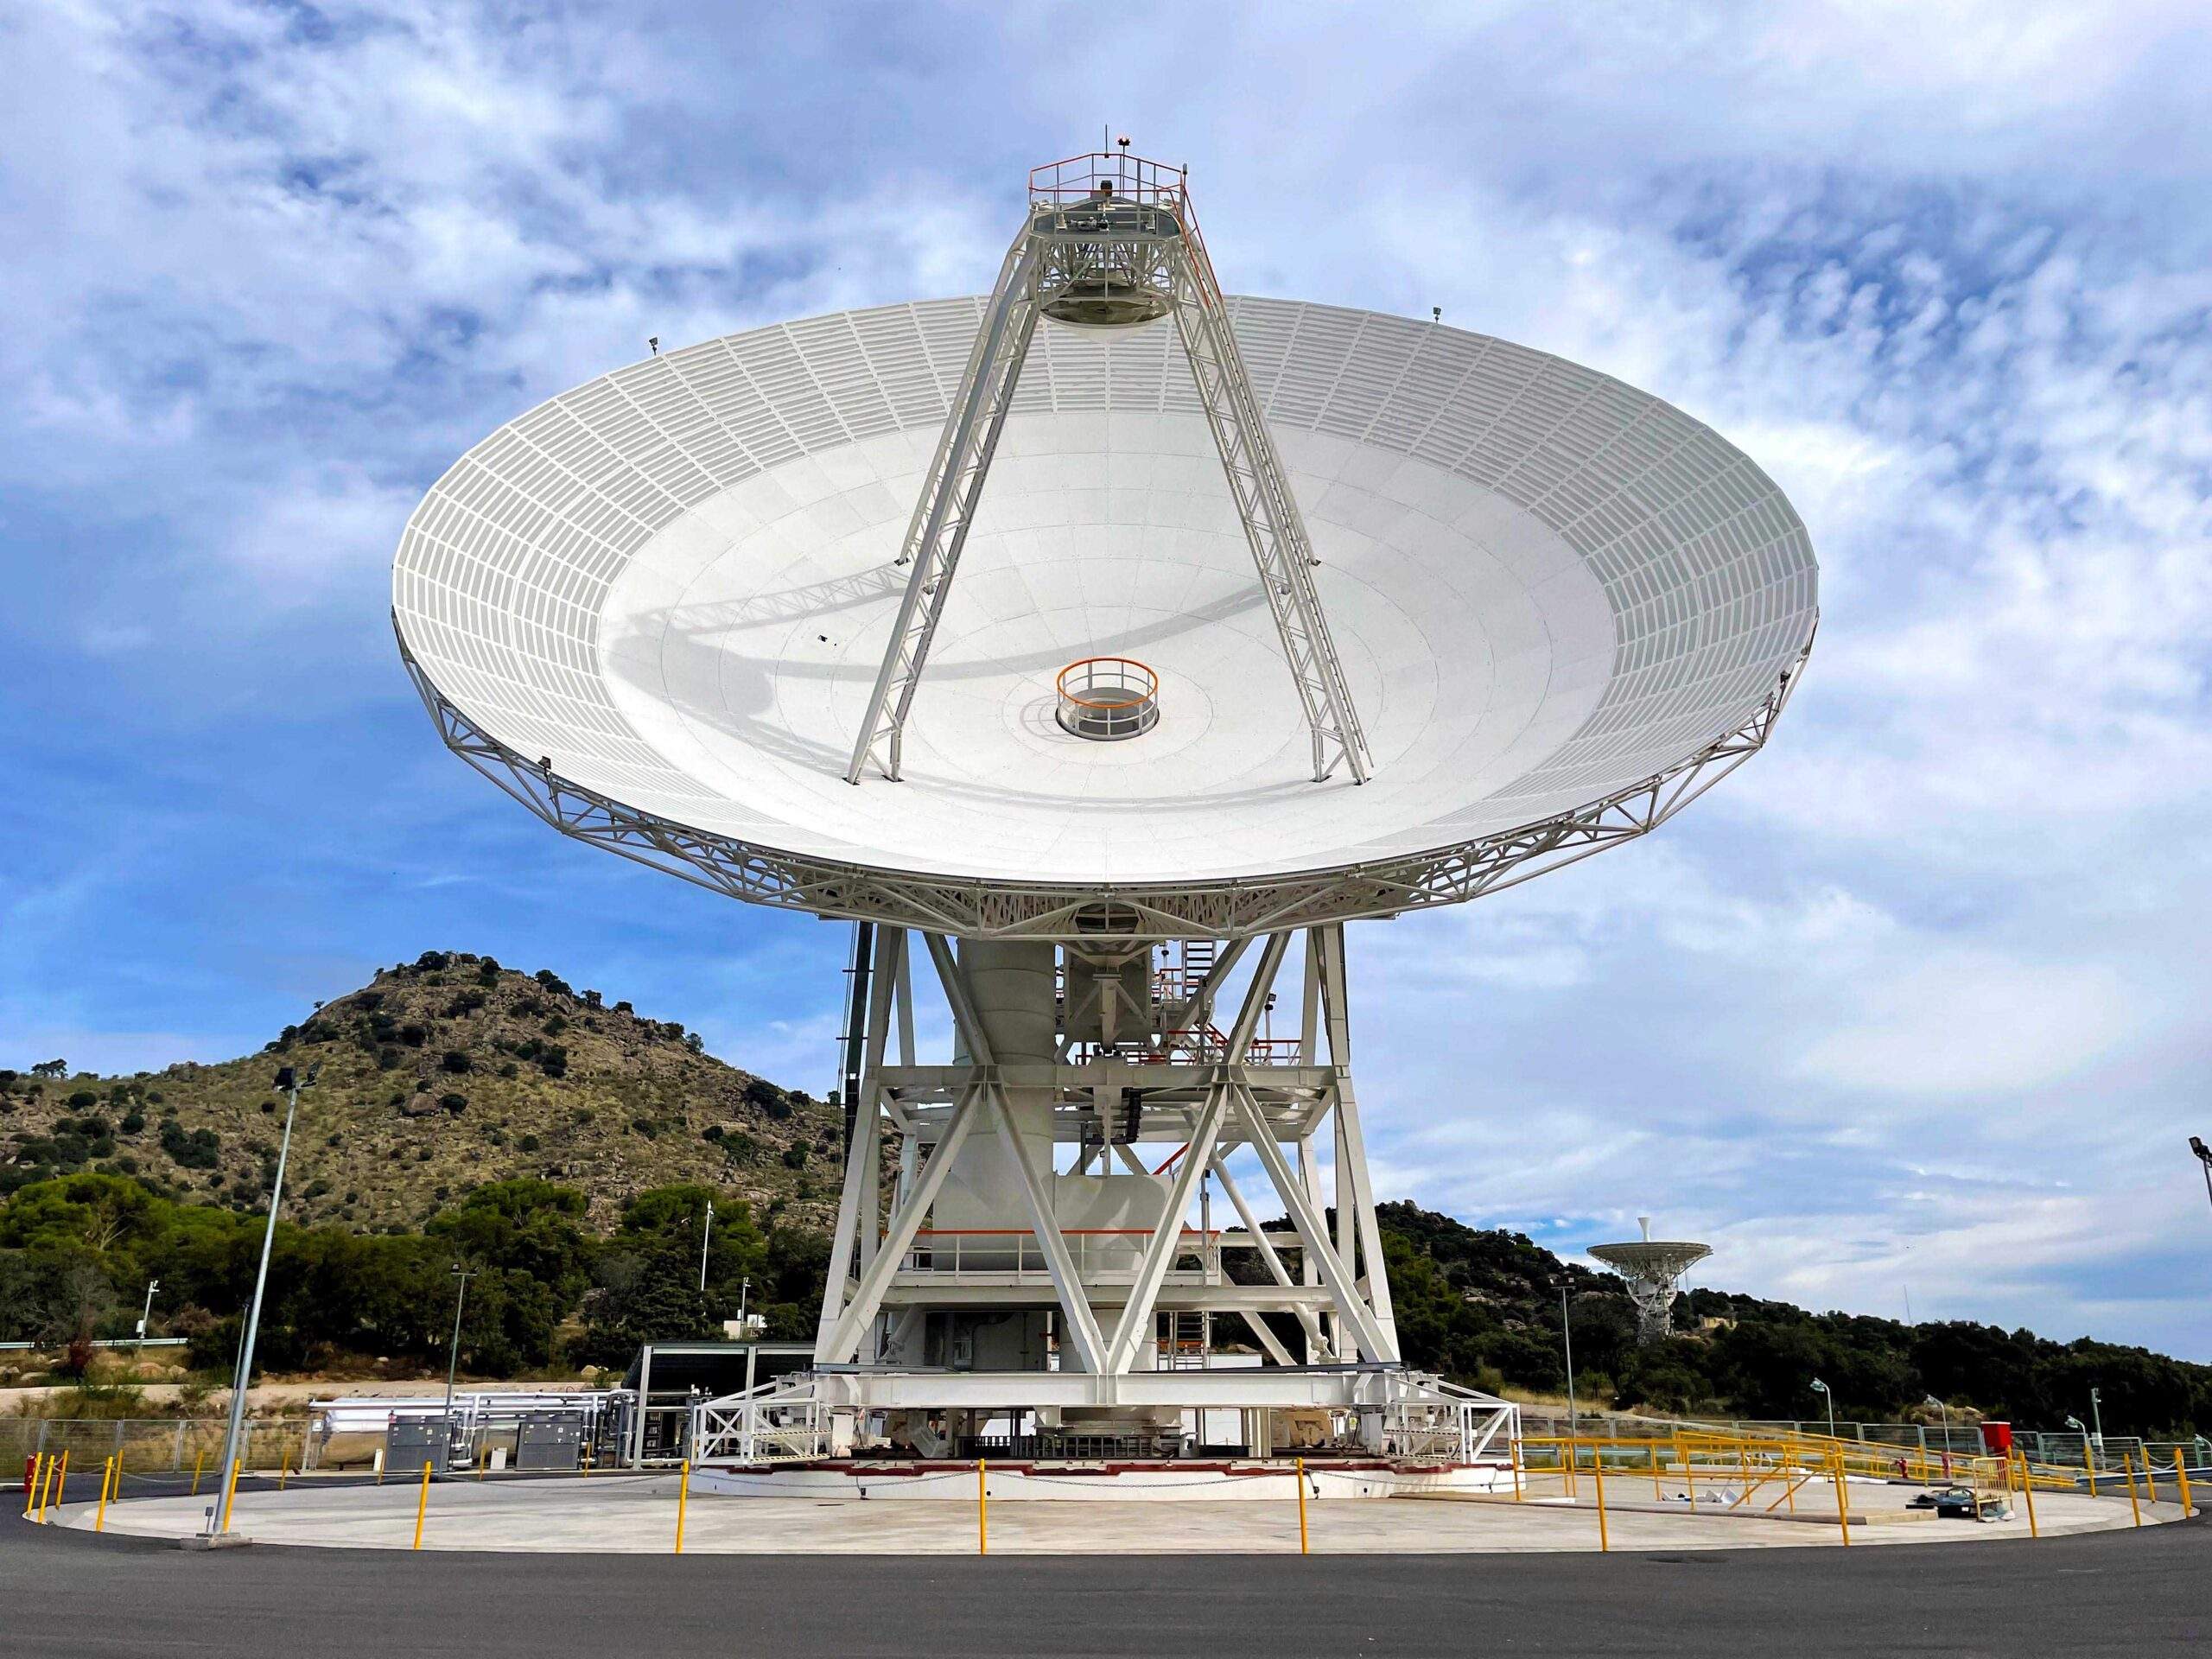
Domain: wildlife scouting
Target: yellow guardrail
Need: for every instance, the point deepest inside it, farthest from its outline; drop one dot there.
(1767, 1472)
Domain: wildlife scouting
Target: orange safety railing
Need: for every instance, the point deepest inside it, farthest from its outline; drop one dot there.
(1108, 698)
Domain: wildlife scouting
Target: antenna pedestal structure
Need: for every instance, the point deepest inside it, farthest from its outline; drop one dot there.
(1111, 243)
(1653, 1269)
(1034, 1266)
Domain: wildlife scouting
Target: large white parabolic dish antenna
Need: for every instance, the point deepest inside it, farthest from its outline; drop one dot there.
(654, 607)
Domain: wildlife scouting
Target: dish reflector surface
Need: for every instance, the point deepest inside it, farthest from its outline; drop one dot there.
(674, 583)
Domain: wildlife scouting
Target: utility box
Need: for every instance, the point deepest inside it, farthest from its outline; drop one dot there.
(411, 1442)
(546, 1440)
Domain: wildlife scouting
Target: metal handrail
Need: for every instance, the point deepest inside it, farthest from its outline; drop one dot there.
(1076, 178)
(1083, 713)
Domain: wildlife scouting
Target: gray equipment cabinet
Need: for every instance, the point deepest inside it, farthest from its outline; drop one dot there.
(549, 1440)
(411, 1442)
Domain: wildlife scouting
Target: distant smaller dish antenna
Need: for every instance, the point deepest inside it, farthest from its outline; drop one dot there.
(1654, 1269)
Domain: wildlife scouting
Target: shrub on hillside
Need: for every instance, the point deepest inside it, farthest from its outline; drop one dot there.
(195, 1149)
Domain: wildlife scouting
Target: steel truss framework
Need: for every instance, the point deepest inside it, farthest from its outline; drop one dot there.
(1127, 249)
(1070, 912)
(1275, 1097)
(1206, 1106)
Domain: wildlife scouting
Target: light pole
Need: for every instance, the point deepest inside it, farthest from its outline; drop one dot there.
(462, 1276)
(218, 1514)
(1945, 1409)
(1823, 1390)
(744, 1289)
(706, 1232)
(2096, 1398)
(147, 1312)
(2204, 1157)
(1567, 1335)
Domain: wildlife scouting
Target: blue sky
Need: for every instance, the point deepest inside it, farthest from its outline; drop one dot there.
(1917, 1001)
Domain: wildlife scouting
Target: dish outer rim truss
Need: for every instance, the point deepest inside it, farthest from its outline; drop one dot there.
(1077, 912)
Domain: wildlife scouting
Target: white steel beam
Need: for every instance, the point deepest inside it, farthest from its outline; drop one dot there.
(1159, 1248)
(939, 529)
(855, 1218)
(1351, 1140)
(844, 1338)
(1274, 528)
(1261, 1241)
(1343, 1290)
(1198, 1158)
(964, 1017)
(890, 963)
(1044, 1221)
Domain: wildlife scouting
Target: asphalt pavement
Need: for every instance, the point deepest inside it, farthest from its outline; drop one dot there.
(66, 1594)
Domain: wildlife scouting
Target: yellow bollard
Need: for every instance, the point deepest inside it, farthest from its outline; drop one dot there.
(2180, 1479)
(1598, 1479)
(2127, 1462)
(1689, 1474)
(2089, 1464)
(231, 1492)
(682, 1500)
(1513, 1456)
(1302, 1541)
(59, 1486)
(37, 1481)
(1657, 1495)
(1842, 1509)
(982, 1511)
(99, 1517)
(422, 1504)
(284, 1468)
(2028, 1492)
(199, 1459)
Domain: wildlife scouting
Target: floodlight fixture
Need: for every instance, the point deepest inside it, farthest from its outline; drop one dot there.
(1826, 1392)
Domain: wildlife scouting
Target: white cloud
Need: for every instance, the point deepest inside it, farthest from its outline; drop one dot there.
(1972, 1023)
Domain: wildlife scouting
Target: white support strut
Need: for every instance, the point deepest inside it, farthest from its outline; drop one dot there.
(1148, 243)
(1274, 527)
(947, 507)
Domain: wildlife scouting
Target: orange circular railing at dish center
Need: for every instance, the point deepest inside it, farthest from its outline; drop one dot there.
(1107, 698)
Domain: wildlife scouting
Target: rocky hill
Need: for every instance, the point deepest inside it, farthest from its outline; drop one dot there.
(439, 1076)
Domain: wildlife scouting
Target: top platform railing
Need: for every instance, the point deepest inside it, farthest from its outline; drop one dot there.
(1078, 178)
(1129, 178)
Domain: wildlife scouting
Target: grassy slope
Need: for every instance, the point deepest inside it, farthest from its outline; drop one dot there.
(375, 1148)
